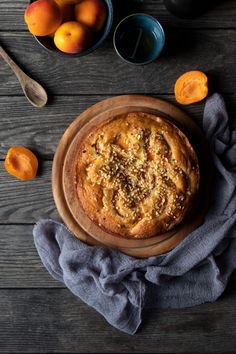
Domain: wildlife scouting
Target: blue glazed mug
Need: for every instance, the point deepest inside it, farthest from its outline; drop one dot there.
(139, 39)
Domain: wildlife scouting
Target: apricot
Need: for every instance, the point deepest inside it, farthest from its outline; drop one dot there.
(43, 17)
(21, 163)
(92, 13)
(191, 87)
(72, 37)
(70, 2)
(67, 10)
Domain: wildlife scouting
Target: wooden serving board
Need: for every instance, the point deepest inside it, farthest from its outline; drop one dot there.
(64, 165)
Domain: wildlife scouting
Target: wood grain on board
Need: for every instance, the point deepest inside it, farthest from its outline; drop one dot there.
(54, 320)
(103, 72)
(37, 314)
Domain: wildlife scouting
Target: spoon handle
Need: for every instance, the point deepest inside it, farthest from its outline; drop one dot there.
(16, 69)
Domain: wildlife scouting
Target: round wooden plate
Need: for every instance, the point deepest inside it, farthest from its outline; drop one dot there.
(64, 165)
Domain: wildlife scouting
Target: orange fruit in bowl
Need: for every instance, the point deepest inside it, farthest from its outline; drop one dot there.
(92, 13)
(72, 37)
(70, 2)
(67, 10)
(43, 17)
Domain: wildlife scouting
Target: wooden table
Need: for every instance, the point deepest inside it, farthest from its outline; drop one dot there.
(38, 314)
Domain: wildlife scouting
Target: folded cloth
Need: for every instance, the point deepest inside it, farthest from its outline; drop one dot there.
(196, 271)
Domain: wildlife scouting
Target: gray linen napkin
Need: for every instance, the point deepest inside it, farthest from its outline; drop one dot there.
(196, 271)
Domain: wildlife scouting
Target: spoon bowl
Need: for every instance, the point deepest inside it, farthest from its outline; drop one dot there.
(35, 93)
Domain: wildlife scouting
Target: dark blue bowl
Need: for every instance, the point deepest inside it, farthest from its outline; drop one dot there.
(139, 39)
(48, 43)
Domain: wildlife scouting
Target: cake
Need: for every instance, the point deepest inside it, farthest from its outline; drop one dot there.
(137, 175)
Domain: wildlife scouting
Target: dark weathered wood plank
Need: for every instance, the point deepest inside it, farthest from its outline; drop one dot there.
(28, 201)
(20, 265)
(222, 15)
(53, 320)
(34, 321)
(212, 51)
(40, 130)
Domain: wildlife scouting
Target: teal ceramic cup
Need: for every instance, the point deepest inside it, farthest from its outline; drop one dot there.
(139, 39)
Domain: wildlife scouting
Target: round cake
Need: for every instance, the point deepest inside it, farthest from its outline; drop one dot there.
(137, 175)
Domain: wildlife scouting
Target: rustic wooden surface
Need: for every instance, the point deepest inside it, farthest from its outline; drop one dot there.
(37, 314)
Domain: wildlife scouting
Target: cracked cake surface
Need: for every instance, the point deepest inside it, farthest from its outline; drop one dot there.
(137, 175)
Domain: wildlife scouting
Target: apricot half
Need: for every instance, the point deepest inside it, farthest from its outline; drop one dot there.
(92, 13)
(21, 163)
(191, 87)
(43, 17)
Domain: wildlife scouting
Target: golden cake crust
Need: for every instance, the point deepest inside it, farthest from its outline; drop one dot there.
(137, 175)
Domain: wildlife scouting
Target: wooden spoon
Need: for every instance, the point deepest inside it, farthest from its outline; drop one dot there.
(33, 91)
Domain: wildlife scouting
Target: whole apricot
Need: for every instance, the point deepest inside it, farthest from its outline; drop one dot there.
(72, 37)
(92, 13)
(43, 17)
(67, 10)
(70, 2)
